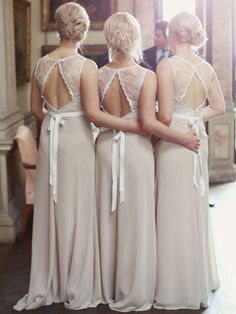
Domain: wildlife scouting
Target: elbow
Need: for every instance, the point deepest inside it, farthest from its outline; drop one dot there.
(89, 116)
(221, 111)
(93, 117)
(36, 113)
(147, 126)
(165, 120)
(220, 107)
(34, 110)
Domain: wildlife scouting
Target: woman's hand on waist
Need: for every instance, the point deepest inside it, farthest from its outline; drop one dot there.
(191, 141)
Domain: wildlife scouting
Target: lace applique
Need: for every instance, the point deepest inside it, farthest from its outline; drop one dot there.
(184, 72)
(43, 68)
(70, 69)
(131, 81)
(105, 78)
(206, 73)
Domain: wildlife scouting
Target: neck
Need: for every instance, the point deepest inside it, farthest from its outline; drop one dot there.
(69, 45)
(123, 60)
(183, 50)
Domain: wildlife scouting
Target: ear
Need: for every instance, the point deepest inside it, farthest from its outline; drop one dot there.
(173, 37)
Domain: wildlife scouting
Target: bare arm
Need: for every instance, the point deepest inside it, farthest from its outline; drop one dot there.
(165, 91)
(90, 100)
(149, 122)
(215, 97)
(36, 101)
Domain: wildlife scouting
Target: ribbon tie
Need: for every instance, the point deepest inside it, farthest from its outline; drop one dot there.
(95, 131)
(118, 142)
(56, 119)
(196, 123)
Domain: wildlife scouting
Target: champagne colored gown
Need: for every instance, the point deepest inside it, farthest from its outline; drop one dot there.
(186, 266)
(125, 198)
(65, 263)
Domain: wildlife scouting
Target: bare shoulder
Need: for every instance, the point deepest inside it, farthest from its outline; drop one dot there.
(90, 64)
(150, 76)
(90, 68)
(150, 82)
(164, 65)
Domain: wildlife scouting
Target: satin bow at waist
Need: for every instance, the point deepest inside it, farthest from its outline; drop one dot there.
(195, 122)
(118, 145)
(56, 120)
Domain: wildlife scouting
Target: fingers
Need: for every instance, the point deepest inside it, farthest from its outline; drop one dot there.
(192, 132)
(195, 149)
(196, 146)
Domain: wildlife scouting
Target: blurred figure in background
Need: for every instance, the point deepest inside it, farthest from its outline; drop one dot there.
(161, 50)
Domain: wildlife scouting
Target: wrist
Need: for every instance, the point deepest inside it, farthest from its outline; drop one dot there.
(182, 139)
(130, 126)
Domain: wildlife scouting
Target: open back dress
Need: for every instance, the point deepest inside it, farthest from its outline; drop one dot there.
(65, 256)
(186, 268)
(125, 198)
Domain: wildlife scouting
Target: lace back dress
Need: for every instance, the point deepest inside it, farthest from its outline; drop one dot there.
(125, 198)
(65, 263)
(186, 268)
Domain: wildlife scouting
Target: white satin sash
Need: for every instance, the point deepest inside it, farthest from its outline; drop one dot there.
(56, 120)
(197, 125)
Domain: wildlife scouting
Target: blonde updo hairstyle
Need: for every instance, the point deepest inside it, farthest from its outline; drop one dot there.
(187, 28)
(123, 35)
(72, 22)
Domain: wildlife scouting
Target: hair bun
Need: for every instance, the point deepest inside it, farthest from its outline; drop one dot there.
(121, 40)
(198, 37)
(76, 30)
(188, 29)
(122, 32)
(72, 21)
(69, 30)
(81, 25)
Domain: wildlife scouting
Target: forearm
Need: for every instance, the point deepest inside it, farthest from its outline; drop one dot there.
(104, 119)
(39, 115)
(209, 113)
(164, 119)
(162, 131)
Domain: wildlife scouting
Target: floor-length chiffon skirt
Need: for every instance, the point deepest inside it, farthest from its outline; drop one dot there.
(127, 235)
(186, 267)
(65, 263)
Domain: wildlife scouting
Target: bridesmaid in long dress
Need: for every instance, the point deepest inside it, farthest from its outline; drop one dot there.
(186, 267)
(125, 173)
(65, 256)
